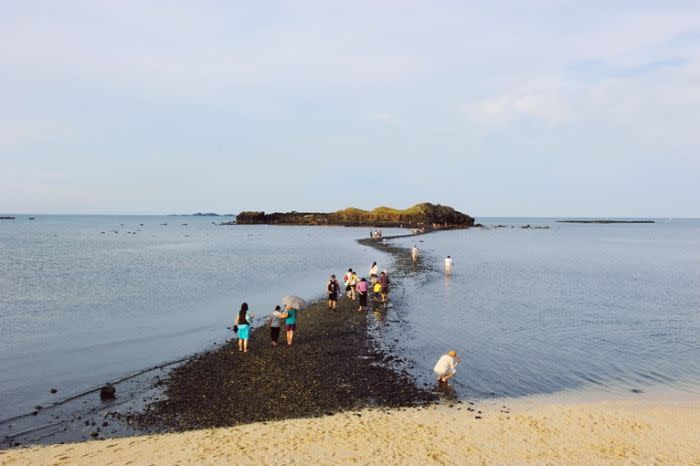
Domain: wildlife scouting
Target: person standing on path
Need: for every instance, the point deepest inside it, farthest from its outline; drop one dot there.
(362, 289)
(290, 316)
(446, 366)
(333, 290)
(414, 253)
(346, 281)
(373, 273)
(353, 285)
(384, 281)
(448, 265)
(243, 320)
(274, 322)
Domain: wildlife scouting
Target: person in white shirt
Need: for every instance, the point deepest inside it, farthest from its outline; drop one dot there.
(414, 253)
(446, 366)
(373, 272)
(448, 265)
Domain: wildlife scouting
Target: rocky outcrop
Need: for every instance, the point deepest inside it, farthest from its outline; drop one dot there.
(424, 215)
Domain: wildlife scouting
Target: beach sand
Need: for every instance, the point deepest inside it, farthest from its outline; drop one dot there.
(614, 432)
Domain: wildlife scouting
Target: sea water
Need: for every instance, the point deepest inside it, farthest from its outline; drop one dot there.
(573, 307)
(85, 300)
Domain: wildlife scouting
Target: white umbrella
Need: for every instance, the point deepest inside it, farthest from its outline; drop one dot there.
(295, 302)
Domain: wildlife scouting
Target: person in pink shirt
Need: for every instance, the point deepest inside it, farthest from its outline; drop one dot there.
(362, 289)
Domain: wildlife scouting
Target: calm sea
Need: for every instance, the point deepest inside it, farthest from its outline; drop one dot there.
(577, 306)
(88, 299)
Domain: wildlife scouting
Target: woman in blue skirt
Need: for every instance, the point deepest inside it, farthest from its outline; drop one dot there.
(243, 323)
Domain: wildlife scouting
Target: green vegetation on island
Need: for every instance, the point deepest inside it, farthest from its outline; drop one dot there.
(419, 215)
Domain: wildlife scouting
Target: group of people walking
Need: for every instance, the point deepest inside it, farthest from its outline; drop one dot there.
(359, 288)
(355, 289)
(288, 316)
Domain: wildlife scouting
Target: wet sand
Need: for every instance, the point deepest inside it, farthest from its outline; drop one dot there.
(618, 432)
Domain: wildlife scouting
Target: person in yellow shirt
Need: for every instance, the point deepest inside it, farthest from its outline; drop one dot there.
(377, 291)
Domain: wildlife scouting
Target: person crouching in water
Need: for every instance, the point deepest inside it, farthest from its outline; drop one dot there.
(243, 323)
(446, 366)
(274, 321)
(290, 316)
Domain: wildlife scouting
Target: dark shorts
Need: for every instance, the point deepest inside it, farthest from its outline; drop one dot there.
(274, 333)
(332, 297)
(290, 327)
(363, 299)
(385, 290)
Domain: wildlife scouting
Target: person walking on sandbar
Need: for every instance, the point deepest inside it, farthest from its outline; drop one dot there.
(290, 316)
(333, 290)
(448, 265)
(362, 291)
(373, 272)
(384, 281)
(274, 321)
(414, 253)
(446, 366)
(243, 320)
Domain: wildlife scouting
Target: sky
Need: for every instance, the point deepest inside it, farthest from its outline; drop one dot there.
(538, 108)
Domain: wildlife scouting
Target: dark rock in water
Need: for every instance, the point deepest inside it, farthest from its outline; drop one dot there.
(32, 218)
(94, 434)
(108, 392)
(53, 390)
(636, 390)
(7, 218)
(37, 407)
(34, 413)
(525, 227)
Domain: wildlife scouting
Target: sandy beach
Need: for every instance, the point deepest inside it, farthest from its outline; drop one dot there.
(615, 432)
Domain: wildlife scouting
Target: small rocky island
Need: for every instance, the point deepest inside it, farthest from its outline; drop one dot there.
(423, 215)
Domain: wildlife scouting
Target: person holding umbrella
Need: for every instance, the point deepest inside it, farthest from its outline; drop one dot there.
(292, 304)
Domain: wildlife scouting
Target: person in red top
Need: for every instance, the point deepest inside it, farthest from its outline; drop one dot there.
(362, 289)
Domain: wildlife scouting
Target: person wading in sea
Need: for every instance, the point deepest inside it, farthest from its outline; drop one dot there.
(448, 265)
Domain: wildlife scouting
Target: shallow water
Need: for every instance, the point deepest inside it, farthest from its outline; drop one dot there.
(610, 307)
(79, 307)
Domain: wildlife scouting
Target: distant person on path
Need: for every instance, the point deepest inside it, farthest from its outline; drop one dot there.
(362, 289)
(384, 282)
(243, 320)
(290, 316)
(274, 322)
(373, 272)
(446, 366)
(448, 265)
(414, 253)
(333, 290)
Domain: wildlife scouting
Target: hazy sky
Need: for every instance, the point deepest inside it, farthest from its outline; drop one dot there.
(517, 108)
